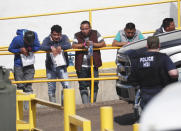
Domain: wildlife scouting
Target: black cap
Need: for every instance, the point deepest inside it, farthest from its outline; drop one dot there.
(29, 36)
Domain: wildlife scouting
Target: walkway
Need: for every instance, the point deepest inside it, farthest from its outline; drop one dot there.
(52, 120)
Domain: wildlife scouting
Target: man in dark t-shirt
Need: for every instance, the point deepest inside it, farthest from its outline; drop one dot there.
(152, 70)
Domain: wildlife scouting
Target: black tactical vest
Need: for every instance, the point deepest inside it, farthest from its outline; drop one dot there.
(148, 70)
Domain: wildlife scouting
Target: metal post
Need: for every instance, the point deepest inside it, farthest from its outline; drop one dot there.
(91, 61)
(19, 108)
(178, 6)
(135, 127)
(92, 80)
(69, 106)
(106, 116)
(90, 17)
(87, 126)
(32, 111)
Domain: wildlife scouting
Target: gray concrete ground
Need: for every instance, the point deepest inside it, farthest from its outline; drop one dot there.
(52, 119)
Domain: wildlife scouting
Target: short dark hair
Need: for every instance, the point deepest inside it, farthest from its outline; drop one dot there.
(56, 28)
(130, 26)
(85, 22)
(29, 36)
(166, 22)
(153, 42)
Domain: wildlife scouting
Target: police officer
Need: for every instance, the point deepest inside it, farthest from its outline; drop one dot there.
(152, 70)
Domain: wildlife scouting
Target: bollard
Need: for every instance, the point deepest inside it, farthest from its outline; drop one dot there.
(135, 127)
(69, 107)
(106, 116)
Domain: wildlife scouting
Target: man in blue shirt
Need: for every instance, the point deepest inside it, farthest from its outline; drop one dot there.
(129, 34)
(55, 44)
(23, 46)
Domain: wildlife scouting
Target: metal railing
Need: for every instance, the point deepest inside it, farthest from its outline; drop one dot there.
(98, 9)
(92, 79)
(71, 120)
(104, 48)
(20, 123)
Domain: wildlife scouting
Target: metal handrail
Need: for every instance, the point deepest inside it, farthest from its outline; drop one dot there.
(58, 80)
(5, 48)
(69, 50)
(89, 10)
(90, 19)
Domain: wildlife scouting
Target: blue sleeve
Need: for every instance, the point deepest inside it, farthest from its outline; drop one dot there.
(36, 44)
(141, 36)
(15, 45)
(169, 64)
(118, 37)
(45, 46)
(66, 43)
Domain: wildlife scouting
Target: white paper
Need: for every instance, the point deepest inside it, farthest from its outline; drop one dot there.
(28, 60)
(58, 60)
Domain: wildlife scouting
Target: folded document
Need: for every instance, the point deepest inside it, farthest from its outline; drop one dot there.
(28, 60)
(58, 60)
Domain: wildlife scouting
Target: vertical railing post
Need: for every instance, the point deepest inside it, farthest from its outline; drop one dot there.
(69, 106)
(106, 117)
(91, 61)
(178, 7)
(32, 111)
(92, 80)
(87, 126)
(135, 127)
(73, 127)
(90, 17)
(19, 108)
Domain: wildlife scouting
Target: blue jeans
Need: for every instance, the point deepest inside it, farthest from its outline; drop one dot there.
(60, 73)
(85, 72)
(147, 95)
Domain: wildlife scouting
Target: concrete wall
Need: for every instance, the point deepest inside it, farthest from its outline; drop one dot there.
(107, 90)
(107, 22)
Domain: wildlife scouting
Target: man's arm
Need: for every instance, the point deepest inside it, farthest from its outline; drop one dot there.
(117, 41)
(76, 45)
(66, 45)
(173, 73)
(14, 46)
(45, 46)
(118, 44)
(100, 43)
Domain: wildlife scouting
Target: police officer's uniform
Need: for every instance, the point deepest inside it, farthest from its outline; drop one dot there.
(150, 72)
